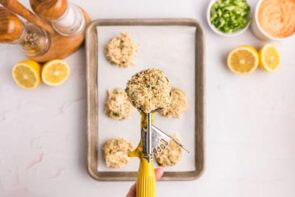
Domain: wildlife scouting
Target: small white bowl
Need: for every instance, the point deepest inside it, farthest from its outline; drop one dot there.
(259, 32)
(220, 32)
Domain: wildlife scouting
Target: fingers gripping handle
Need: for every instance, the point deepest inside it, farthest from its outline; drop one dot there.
(146, 179)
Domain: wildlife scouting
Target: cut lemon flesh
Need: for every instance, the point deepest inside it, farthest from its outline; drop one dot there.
(55, 72)
(243, 60)
(26, 74)
(269, 58)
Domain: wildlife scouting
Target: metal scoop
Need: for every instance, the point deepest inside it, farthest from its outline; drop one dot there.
(152, 140)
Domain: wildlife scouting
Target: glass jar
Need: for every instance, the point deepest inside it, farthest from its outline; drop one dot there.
(33, 40)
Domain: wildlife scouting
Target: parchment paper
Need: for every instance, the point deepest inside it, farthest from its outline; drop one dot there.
(171, 49)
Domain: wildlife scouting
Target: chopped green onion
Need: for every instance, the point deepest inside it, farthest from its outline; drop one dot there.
(229, 16)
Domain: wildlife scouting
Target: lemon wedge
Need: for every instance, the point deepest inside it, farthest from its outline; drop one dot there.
(269, 58)
(27, 74)
(55, 72)
(243, 60)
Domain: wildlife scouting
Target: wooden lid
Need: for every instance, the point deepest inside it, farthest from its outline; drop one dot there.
(49, 9)
(11, 27)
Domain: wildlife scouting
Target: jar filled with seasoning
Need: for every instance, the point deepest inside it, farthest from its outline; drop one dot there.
(66, 18)
(33, 40)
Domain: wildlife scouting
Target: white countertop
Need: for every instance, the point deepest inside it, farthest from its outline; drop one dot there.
(249, 130)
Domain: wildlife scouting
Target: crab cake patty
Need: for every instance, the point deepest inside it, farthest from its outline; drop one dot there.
(117, 105)
(177, 106)
(121, 50)
(116, 152)
(170, 155)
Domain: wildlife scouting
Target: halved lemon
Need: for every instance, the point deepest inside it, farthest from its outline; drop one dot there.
(27, 74)
(55, 72)
(243, 60)
(269, 58)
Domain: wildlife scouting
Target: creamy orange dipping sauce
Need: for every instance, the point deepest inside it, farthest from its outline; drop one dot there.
(277, 17)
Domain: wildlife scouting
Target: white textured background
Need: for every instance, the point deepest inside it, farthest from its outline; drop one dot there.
(250, 122)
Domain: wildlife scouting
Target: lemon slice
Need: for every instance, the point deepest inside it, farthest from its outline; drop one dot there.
(269, 58)
(26, 74)
(243, 60)
(55, 72)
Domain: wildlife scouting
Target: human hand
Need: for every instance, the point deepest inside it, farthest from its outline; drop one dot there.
(132, 191)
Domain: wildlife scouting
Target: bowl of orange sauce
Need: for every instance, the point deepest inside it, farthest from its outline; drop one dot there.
(274, 19)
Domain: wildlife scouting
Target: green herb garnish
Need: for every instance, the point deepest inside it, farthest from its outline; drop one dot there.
(115, 114)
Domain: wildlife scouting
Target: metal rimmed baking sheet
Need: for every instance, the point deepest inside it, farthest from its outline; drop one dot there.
(97, 32)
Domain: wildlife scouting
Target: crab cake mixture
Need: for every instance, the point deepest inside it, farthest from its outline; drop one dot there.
(120, 51)
(116, 152)
(177, 106)
(149, 90)
(170, 155)
(117, 105)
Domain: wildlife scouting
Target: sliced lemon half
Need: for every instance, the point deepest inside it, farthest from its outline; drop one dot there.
(269, 58)
(243, 60)
(55, 72)
(27, 74)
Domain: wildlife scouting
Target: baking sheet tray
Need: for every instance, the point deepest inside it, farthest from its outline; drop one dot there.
(173, 45)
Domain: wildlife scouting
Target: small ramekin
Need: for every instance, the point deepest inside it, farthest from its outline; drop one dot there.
(219, 32)
(259, 32)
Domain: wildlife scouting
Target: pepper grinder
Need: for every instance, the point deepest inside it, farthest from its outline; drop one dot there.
(33, 40)
(66, 18)
(59, 25)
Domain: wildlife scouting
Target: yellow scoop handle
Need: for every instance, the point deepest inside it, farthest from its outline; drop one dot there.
(146, 179)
